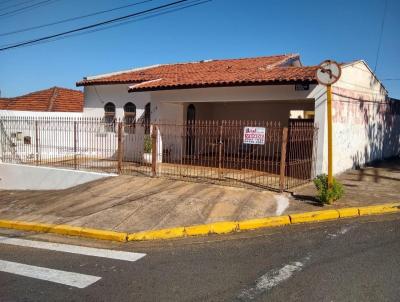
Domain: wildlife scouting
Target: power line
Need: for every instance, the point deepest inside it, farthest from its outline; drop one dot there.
(71, 19)
(150, 15)
(93, 25)
(6, 1)
(394, 79)
(14, 5)
(26, 8)
(380, 36)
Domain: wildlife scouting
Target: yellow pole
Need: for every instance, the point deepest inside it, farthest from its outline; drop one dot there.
(329, 104)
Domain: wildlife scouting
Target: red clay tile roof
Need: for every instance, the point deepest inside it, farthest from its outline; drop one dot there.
(247, 71)
(54, 99)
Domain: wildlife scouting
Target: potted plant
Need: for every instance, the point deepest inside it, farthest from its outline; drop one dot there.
(147, 149)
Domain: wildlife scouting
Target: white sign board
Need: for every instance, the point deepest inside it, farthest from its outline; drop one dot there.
(254, 135)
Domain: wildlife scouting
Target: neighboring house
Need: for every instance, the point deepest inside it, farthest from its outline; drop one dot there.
(19, 131)
(272, 88)
(55, 101)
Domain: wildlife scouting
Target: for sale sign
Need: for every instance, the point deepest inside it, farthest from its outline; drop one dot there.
(254, 135)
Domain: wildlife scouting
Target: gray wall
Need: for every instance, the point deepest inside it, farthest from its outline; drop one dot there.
(259, 111)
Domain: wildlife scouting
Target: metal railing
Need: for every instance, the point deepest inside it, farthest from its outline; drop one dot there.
(202, 151)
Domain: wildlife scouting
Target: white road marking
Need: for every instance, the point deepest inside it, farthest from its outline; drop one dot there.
(342, 231)
(270, 280)
(74, 249)
(282, 202)
(52, 275)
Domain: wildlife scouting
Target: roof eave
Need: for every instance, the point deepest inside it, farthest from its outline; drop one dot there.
(94, 83)
(241, 84)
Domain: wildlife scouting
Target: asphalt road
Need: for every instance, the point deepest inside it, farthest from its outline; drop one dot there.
(348, 260)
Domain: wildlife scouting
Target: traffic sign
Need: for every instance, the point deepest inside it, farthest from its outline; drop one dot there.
(328, 72)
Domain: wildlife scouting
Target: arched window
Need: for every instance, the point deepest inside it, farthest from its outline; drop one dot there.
(109, 116)
(147, 118)
(129, 117)
(109, 110)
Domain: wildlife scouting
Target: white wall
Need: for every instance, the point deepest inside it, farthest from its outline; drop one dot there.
(97, 96)
(364, 129)
(55, 138)
(20, 177)
(36, 114)
(170, 105)
(319, 94)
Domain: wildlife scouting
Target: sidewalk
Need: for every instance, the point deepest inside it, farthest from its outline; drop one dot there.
(375, 184)
(133, 204)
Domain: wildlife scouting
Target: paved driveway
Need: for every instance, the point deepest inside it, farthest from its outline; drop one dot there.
(130, 204)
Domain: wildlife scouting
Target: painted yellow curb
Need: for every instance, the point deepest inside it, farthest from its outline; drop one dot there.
(197, 230)
(380, 209)
(314, 216)
(63, 230)
(157, 234)
(222, 227)
(67, 230)
(103, 234)
(212, 228)
(194, 230)
(263, 223)
(348, 212)
(25, 226)
(205, 229)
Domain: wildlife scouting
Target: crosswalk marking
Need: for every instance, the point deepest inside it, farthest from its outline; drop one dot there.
(74, 249)
(52, 275)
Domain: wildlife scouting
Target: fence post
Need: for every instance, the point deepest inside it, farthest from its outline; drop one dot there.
(283, 159)
(75, 146)
(120, 148)
(154, 151)
(220, 172)
(37, 142)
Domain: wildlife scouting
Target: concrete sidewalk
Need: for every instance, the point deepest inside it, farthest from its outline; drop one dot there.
(132, 204)
(375, 184)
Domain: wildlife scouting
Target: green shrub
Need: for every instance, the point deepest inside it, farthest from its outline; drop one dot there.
(147, 145)
(325, 194)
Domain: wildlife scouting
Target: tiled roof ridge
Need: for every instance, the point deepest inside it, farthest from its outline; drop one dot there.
(25, 95)
(37, 91)
(286, 57)
(99, 78)
(52, 98)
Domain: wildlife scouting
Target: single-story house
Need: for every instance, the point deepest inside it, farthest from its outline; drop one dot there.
(19, 134)
(51, 102)
(366, 122)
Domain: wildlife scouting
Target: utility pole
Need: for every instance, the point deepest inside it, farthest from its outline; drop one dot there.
(330, 151)
(328, 73)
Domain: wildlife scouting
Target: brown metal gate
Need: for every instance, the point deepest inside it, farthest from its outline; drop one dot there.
(208, 151)
(215, 151)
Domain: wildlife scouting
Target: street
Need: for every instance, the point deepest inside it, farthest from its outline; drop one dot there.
(345, 260)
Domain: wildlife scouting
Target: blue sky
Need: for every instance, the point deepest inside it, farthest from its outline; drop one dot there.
(343, 30)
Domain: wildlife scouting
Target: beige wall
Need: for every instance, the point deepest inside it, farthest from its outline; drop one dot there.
(364, 129)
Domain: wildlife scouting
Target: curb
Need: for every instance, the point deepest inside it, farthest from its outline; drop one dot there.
(64, 230)
(223, 227)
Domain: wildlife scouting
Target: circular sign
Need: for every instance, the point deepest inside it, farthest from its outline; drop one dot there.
(328, 72)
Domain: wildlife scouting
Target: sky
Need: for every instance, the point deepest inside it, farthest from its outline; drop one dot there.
(342, 30)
